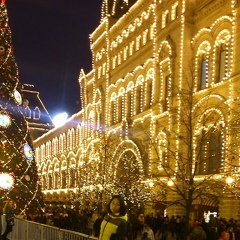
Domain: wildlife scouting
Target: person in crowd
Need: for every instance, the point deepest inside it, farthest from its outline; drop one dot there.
(40, 217)
(231, 233)
(141, 221)
(147, 229)
(224, 235)
(178, 228)
(145, 236)
(150, 221)
(9, 213)
(212, 234)
(195, 223)
(237, 231)
(97, 225)
(91, 221)
(138, 226)
(172, 225)
(114, 224)
(165, 228)
(160, 225)
(198, 233)
(135, 226)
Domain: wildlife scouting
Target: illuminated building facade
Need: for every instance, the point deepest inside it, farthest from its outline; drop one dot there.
(144, 54)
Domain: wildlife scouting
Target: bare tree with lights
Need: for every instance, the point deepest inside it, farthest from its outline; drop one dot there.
(191, 154)
(18, 172)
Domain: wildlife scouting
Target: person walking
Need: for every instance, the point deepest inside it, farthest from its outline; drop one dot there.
(9, 212)
(114, 224)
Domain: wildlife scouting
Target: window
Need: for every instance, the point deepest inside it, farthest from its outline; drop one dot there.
(203, 78)
(221, 67)
(210, 153)
(112, 118)
(131, 48)
(165, 18)
(50, 181)
(148, 93)
(138, 98)
(162, 151)
(64, 179)
(174, 13)
(36, 113)
(167, 88)
(129, 105)
(120, 108)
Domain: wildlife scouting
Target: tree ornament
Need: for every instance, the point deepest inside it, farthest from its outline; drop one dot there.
(5, 120)
(6, 180)
(27, 177)
(28, 152)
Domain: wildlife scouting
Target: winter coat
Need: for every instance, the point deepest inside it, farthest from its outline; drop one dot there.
(113, 227)
(198, 234)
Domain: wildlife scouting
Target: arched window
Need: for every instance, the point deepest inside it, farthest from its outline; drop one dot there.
(36, 113)
(114, 62)
(113, 109)
(222, 63)
(148, 93)
(120, 108)
(202, 65)
(162, 151)
(222, 55)
(210, 142)
(50, 181)
(27, 112)
(174, 13)
(167, 89)
(64, 179)
(72, 180)
(44, 185)
(210, 152)
(138, 97)
(125, 53)
(130, 103)
(203, 73)
(138, 42)
(165, 18)
(131, 48)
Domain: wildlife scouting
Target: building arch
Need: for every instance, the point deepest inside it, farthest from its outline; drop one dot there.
(128, 145)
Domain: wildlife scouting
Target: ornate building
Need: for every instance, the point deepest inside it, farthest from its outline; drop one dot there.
(38, 118)
(159, 106)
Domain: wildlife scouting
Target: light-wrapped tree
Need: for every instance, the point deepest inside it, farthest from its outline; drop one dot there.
(18, 172)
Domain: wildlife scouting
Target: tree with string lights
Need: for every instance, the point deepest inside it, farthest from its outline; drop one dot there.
(130, 182)
(18, 171)
(190, 155)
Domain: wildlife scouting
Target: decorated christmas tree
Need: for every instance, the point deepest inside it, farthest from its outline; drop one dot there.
(18, 172)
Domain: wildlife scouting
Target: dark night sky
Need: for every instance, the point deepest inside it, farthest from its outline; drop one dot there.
(51, 46)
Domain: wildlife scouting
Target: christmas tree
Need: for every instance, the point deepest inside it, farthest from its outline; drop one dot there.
(18, 171)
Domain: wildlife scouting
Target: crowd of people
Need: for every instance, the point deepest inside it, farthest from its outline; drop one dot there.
(140, 226)
(105, 225)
